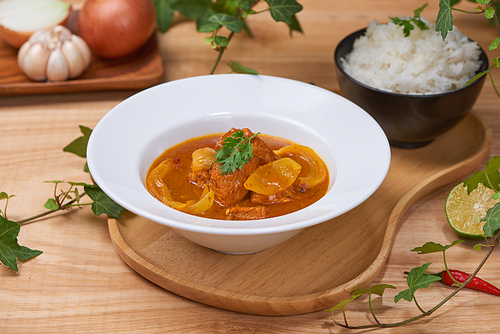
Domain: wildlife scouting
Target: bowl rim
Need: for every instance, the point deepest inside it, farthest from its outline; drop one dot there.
(94, 145)
(483, 67)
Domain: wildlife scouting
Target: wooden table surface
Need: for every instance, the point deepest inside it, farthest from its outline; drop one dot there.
(80, 284)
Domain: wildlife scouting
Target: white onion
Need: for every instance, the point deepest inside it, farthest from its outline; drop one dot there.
(19, 19)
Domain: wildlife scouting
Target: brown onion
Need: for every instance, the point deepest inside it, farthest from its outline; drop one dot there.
(116, 28)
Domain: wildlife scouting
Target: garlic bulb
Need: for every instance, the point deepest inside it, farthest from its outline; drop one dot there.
(54, 55)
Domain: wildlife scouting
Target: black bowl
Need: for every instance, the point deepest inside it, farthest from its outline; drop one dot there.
(409, 120)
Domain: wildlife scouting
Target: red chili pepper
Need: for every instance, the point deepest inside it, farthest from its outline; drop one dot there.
(476, 283)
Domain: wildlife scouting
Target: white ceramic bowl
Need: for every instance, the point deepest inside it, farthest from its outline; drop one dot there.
(134, 133)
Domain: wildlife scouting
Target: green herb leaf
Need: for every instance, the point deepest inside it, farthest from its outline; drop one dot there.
(410, 23)
(444, 21)
(164, 13)
(236, 151)
(103, 203)
(282, 10)
(238, 68)
(221, 41)
(379, 289)
(490, 176)
(247, 12)
(232, 23)
(194, 9)
(477, 76)
(406, 24)
(478, 247)
(489, 13)
(79, 145)
(492, 219)
(417, 279)
(10, 250)
(432, 247)
(51, 204)
(483, 2)
(496, 61)
(494, 44)
(295, 25)
(344, 303)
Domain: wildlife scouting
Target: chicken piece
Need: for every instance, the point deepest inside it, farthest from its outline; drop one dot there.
(285, 196)
(228, 188)
(199, 178)
(247, 213)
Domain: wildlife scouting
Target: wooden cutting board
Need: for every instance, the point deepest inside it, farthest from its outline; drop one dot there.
(140, 69)
(321, 265)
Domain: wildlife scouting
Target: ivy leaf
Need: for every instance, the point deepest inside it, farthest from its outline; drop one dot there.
(221, 41)
(164, 13)
(344, 303)
(478, 247)
(230, 7)
(51, 204)
(79, 145)
(194, 9)
(444, 21)
(492, 220)
(245, 4)
(494, 44)
(490, 176)
(282, 10)
(103, 203)
(247, 12)
(432, 247)
(295, 25)
(9, 247)
(483, 2)
(496, 61)
(477, 76)
(232, 23)
(417, 279)
(238, 68)
(489, 13)
(208, 27)
(379, 289)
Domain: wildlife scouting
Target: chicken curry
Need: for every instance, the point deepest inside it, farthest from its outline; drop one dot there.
(266, 177)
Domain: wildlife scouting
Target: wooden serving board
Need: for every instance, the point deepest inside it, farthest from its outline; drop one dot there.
(321, 265)
(140, 69)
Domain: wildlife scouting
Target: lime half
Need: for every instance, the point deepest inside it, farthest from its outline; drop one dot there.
(464, 212)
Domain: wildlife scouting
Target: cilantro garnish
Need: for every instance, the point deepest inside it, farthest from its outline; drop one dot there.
(236, 151)
(409, 24)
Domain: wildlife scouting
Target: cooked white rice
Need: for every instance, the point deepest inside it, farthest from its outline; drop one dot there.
(419, 64)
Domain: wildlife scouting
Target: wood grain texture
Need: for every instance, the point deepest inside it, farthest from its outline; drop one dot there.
(141, 69)
(80, 284)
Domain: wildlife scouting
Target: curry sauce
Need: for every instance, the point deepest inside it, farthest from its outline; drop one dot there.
(183, 190)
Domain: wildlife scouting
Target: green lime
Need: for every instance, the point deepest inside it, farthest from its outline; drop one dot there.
(464, 212)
